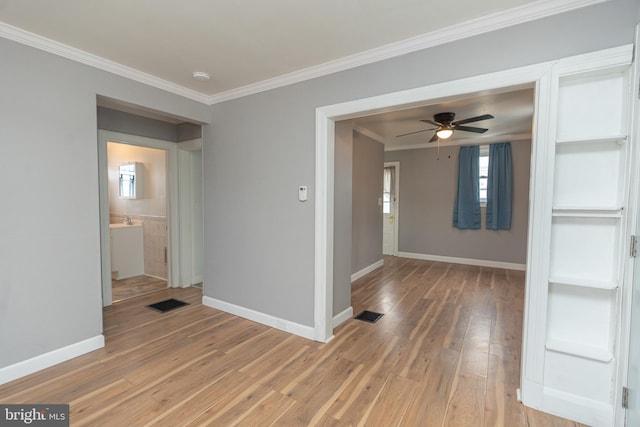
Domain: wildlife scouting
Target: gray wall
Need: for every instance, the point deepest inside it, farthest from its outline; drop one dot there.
(368, 166)
(131, 124)
(259, 240)
(50, 291)
(342, 194)
(427, 194)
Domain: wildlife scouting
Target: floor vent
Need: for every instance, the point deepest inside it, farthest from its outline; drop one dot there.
(369, 316)
(167, 305)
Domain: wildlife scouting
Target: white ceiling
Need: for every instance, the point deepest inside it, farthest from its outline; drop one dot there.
(244, 42)
(512, 111)
(252, 45)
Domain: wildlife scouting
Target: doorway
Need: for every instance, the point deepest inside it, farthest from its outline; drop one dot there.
(559, 86)
(390, 203)
(169, 191)
(134, 224)
(137, 181)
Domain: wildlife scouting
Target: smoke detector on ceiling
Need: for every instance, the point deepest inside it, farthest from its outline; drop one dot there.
(201, 76)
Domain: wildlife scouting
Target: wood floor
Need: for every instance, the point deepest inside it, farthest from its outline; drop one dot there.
(135, 286)
(446, 353)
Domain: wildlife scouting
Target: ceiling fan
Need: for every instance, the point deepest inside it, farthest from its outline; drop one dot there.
(445, 125)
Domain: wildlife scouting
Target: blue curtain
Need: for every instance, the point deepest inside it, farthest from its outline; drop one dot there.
(466, 210)
(499, 187)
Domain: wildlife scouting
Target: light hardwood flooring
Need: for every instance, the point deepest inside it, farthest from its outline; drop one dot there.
(135, 286)
(446, 353)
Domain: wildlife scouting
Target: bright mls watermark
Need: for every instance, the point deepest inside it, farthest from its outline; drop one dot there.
(34, 415)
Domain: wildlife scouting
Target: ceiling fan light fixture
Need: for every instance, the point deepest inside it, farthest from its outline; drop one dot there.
(444, 132)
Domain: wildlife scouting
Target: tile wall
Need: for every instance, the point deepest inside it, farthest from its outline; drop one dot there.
(154, 234)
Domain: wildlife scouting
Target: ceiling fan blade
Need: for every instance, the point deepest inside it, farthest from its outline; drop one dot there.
(431, 122)
(471, 129)
(434, 137)
(411, 133)
(473, 119)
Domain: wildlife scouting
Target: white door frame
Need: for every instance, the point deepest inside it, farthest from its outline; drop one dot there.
(396, 205)
(633, 225)
(172, 204)
(543, 77)
(530, 76)
(189, 252)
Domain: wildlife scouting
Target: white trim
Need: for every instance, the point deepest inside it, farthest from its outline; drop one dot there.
(51, 358)
(633, 226)
(256, 316)
(358, 274)
(596, 61)
(576, 408)
(531, 392)
(469, 141)
(538, 240)
(48, 45)
(325, 117)
(484, 24)
(466, 261)
(323, 280)
(340, 318)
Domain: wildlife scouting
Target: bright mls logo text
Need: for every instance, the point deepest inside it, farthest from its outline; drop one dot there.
(44, 415)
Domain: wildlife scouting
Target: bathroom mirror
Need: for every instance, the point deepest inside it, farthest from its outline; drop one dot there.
(130, 180)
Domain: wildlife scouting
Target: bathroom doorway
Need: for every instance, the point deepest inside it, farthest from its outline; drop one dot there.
(137, 183)
(182, 198)
(138, 175)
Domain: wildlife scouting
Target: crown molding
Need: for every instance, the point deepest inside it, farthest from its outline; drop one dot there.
(469, 141)
(34, 40)
(495, 21)
(529, 12)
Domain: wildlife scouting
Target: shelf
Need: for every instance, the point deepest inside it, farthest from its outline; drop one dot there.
(615, 138)
(588, 211)
(585, 351)
(585, 283)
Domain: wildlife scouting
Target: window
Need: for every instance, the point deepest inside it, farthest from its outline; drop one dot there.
(484, 172)
(387, 192)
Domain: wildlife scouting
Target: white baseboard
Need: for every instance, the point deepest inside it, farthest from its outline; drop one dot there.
(256, 316)
(340, 318)
(577, 408)
(566, 405)
(467, 261)
(51, 358)
(355, 276)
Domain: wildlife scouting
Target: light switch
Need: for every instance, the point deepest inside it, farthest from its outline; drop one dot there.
(303, 193)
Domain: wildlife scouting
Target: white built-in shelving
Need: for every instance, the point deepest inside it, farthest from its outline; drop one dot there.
(586, 225)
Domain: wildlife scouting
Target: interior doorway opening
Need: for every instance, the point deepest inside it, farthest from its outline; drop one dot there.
(183, 197)
(137, 183)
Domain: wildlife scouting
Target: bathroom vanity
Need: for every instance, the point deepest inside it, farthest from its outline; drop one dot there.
(127, 250)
